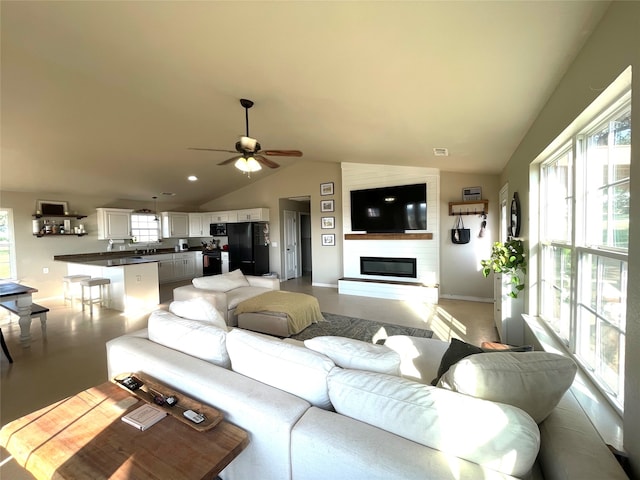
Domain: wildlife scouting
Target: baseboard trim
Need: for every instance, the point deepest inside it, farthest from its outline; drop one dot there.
(329, 285)
(466, 298)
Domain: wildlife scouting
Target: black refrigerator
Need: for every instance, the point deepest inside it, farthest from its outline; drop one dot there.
(248, 249)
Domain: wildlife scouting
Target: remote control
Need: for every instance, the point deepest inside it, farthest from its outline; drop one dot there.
(131, 382)
(193, 416)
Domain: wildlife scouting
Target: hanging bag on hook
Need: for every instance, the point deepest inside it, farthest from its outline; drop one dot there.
(459, 234)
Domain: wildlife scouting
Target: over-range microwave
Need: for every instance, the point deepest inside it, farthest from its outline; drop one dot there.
(218, 229)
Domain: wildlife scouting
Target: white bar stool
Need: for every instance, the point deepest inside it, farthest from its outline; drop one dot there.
(69, 281)
(103, 291)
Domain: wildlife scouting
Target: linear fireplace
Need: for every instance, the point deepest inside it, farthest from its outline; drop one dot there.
(388, 266)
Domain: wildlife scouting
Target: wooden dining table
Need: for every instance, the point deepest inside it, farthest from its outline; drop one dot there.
(21, 294)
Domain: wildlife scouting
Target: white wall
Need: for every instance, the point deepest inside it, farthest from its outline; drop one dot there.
(460, 272)
(356, 176)
(612, 47)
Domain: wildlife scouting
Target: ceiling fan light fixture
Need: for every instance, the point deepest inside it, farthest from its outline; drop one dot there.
(253, 164)
(247, 165)
(247, 147)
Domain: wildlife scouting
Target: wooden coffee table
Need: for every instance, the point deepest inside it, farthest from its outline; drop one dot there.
(83, 437)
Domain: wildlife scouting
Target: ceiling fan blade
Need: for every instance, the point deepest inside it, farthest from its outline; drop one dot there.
(266, 162)
(283, 153)
(211, 149)
(229, 160)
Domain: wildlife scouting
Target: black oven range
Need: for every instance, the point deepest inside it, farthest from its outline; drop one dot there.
(211, 262)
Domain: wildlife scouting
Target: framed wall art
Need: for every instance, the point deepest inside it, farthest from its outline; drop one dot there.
(471, 193)
(326, 188)
(328, 222)
(327, 205)
(52, 207)
(328, 239)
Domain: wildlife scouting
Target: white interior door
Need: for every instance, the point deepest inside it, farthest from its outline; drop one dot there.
(291, 244)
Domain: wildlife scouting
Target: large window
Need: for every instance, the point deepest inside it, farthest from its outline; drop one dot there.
(584, 232)
(7, 247)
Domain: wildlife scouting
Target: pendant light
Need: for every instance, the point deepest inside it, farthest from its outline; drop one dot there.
(155, 209)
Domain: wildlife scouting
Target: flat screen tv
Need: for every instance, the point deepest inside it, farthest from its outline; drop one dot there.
(389, 209)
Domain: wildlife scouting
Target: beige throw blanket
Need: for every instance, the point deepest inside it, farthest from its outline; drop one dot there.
(302, 310)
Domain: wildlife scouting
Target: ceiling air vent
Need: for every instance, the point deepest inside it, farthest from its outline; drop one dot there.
(441, 152)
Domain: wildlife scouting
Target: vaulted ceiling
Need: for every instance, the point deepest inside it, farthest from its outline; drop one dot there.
(103, 98)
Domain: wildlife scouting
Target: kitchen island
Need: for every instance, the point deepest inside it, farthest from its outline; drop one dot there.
(134, 279)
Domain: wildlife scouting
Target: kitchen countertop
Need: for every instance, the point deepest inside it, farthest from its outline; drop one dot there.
(115, 262)
(118, 259)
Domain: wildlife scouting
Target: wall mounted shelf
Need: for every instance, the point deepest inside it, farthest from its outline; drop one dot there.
(388, 236)
(44, 215)
(471, 207)
(59, 234)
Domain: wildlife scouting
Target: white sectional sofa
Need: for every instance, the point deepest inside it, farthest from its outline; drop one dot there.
(226, 291)
(325, 410)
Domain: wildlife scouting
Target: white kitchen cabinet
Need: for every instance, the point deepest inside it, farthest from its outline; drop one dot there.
(184, 266)
(196, 225)
(114, 223)
(174, 267)
(175, 224)
(198, 264)
(224, 257)
(199, 224)
(165, 267)
(224, 217)
(165, 271)
(253, 215)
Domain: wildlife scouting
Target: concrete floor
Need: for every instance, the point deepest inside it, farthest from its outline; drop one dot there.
(71, 357)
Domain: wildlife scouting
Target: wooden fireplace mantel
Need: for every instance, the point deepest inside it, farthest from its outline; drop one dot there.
(388, 236)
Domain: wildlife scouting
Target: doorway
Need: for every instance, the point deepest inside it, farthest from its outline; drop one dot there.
(295, 237)
(305, 244)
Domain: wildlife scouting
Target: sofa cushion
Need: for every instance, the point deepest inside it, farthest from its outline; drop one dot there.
(349, 353)
(221, 283)
(533, 381)
(291, 368)
(419, 357)
(497, 436)
(198, 309)
(458, 350)
(193, 337)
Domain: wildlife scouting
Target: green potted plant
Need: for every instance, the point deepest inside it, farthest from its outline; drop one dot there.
(507, 258)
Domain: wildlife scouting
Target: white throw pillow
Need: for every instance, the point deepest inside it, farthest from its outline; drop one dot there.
(223, 282)
(198, 339)
(198, 309)
(496, 436)
(349, 353)
(291, 368)
(532, 381)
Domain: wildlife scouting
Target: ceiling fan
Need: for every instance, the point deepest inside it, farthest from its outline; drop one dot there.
(251, 154)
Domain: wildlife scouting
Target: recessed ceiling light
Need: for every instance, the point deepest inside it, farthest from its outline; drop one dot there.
(192, 178)
(441, 152)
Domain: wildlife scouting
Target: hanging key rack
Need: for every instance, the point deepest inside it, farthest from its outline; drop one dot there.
(472, 207)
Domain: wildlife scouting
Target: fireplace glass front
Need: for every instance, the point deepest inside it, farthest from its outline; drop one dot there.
(388, 266)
